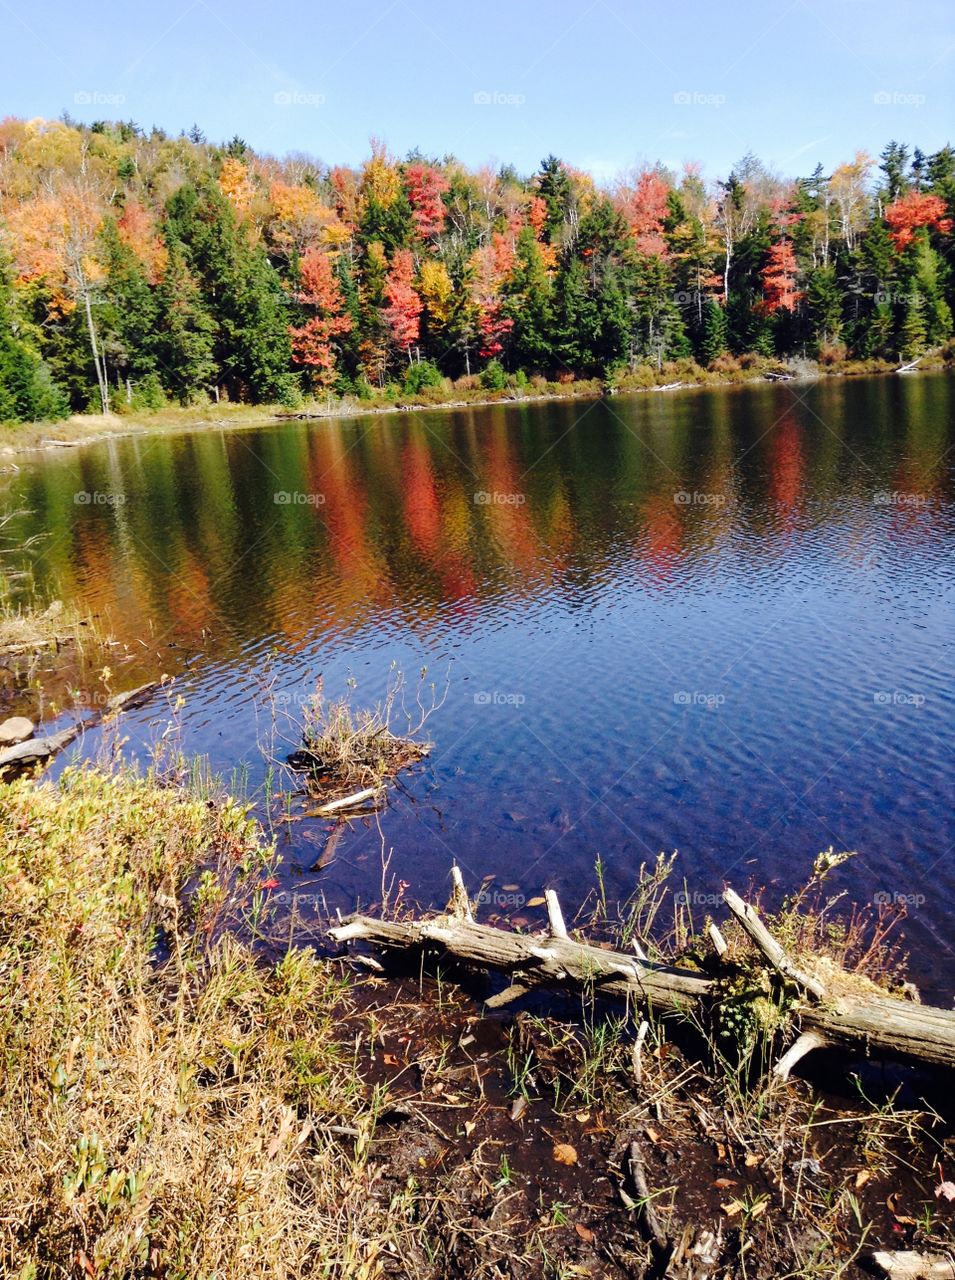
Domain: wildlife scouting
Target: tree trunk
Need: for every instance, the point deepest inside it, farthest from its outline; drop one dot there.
(875, 1025)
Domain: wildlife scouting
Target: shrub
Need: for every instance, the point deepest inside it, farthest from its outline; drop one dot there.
(493, 377)
(421, 375)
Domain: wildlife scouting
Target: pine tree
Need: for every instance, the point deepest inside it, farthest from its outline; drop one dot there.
(241, 290)
(528, 302)
(914, 330)
(824, 301)
(186, 337)
(129, 320)
(714, 342)
(27, 390)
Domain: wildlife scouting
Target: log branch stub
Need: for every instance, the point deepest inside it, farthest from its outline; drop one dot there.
(803, 1044)
(554, 915)
(459, 904)
(776, 954)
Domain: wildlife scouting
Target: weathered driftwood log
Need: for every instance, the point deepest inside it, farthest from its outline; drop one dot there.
(872, 1024)
(907, 1265)
(36, 750)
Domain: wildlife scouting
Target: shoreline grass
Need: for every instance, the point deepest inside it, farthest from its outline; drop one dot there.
(167, 1098)
(87, 428)
(183, 1098)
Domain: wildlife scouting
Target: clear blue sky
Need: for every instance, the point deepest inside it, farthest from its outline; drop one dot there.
(604, 84)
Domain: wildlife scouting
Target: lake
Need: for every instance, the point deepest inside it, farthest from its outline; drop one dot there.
(714, 621)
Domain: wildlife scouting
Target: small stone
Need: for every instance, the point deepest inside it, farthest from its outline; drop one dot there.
(16, 729)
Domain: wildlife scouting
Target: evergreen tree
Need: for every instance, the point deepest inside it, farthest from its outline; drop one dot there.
(27, 390)
(241, 290)
(714, 341)
(186, 332)
(553, 185)
(914, 331)
(129, 319)
(528, 302)
(824, 301)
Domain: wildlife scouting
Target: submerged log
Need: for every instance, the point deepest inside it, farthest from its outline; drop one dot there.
(875, 1025)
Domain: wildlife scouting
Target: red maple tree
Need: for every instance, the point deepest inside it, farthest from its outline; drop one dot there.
(779, 278)
(645, 208)
(312, 343)
(425, 186)
(403, 313)
(912, 211)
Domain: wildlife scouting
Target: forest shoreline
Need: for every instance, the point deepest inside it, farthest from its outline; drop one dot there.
(94, 428)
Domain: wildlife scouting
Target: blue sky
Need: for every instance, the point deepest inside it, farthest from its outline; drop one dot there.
(605, 84)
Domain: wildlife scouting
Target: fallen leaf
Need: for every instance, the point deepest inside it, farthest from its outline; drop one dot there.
(652, 1135)
(510, 888)
(753, 1160)
(946, 1189)
(518, 1107)
(732, 1208)
(538, 902)
(862, 1177)
(469, 1127)
(390, 1060)
(722, 1183)
(564, 1153)
(584, 1232)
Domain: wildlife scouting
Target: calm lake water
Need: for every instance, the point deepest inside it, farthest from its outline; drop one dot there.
(714, 621)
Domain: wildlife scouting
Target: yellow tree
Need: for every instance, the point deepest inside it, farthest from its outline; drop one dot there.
(849, 190)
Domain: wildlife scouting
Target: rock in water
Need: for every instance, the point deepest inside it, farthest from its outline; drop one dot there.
(16, 729)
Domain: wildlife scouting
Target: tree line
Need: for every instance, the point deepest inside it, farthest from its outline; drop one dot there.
(138, 269)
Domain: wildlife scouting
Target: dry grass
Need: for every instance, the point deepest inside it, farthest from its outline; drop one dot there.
(168, 1104)
(347, 749)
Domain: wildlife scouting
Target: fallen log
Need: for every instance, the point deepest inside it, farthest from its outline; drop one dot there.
(37, 750)
(907, 1265)
(871, 1024)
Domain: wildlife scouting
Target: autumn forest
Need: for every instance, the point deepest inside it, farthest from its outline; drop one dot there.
(139, 270)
